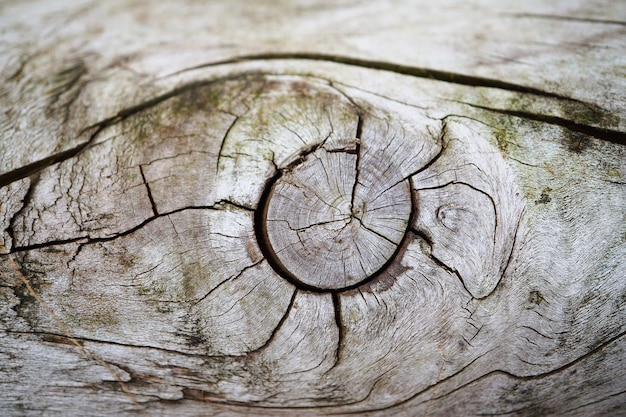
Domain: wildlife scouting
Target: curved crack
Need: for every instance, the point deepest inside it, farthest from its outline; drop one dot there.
(278, 326)
(419, 72)
(223, 143)
(442, 264)
(497, 372)
(229, 279)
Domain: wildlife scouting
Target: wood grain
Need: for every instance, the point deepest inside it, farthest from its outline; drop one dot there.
(312, 209)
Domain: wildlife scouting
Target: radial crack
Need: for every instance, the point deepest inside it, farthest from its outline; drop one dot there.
(357, 165)
(152, 203)
(279, 325)
(221, 150)
(340, 329)
(438, 261)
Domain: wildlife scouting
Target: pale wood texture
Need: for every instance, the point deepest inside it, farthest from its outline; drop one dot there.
(313, 208)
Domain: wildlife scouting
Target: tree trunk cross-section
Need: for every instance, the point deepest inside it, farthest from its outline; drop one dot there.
(325, 229)
(233, 225)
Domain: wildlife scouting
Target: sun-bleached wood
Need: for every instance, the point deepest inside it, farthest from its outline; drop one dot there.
(176, 178)
(325, 229)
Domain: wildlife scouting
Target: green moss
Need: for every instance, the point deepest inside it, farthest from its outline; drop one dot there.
(99, 315)
(501, 139)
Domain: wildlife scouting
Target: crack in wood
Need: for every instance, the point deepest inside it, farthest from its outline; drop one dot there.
(604, 134)
(227, 280)
(263, 222)
(147, 184)
(569, 410)
(357, 164)
(65, 329)
(486, 194)
(223, 143)
(511, 375)
(35, 167)
(259, 220)
(418, 72)
(220, 205)
(442, 264)
(415, 395)
(566, 18)
(278, 326)
(340, 328)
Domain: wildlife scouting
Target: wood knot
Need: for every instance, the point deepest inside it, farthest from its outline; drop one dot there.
(323, 230)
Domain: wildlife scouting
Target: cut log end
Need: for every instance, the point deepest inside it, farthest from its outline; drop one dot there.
(323, 230)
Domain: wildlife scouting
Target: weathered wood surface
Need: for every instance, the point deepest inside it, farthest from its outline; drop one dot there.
(313, 208)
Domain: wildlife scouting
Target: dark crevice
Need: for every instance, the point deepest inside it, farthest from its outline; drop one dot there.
(91, 240)
(420, 72)
(349, 149)
(33, 181)
(604, 134)
(600, 133)
(340, 329)
(219, 154)
(412, 397)
(422, 234)
(478, 190)
(56, 242)
(222, 203)
(359, 127)
(509, 258)
(34, 167)
(68, 340)
(375, 232)
(522, 162)
(260, 219)
(300, 229)
(229, 279)
(429, 239)
(508, 374)
(596, 402)
(301, 156)
(537, 331)
(73, 259)
(143, 176)
(567, 18)
(279, 325)
(409, 399)
(357, 164)
(443, 265)
(435, 159)
(358, 109)
(493, 203)
(260, 228)
(10, 233)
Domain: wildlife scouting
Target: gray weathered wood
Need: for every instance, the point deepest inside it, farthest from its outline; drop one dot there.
(385, 209)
